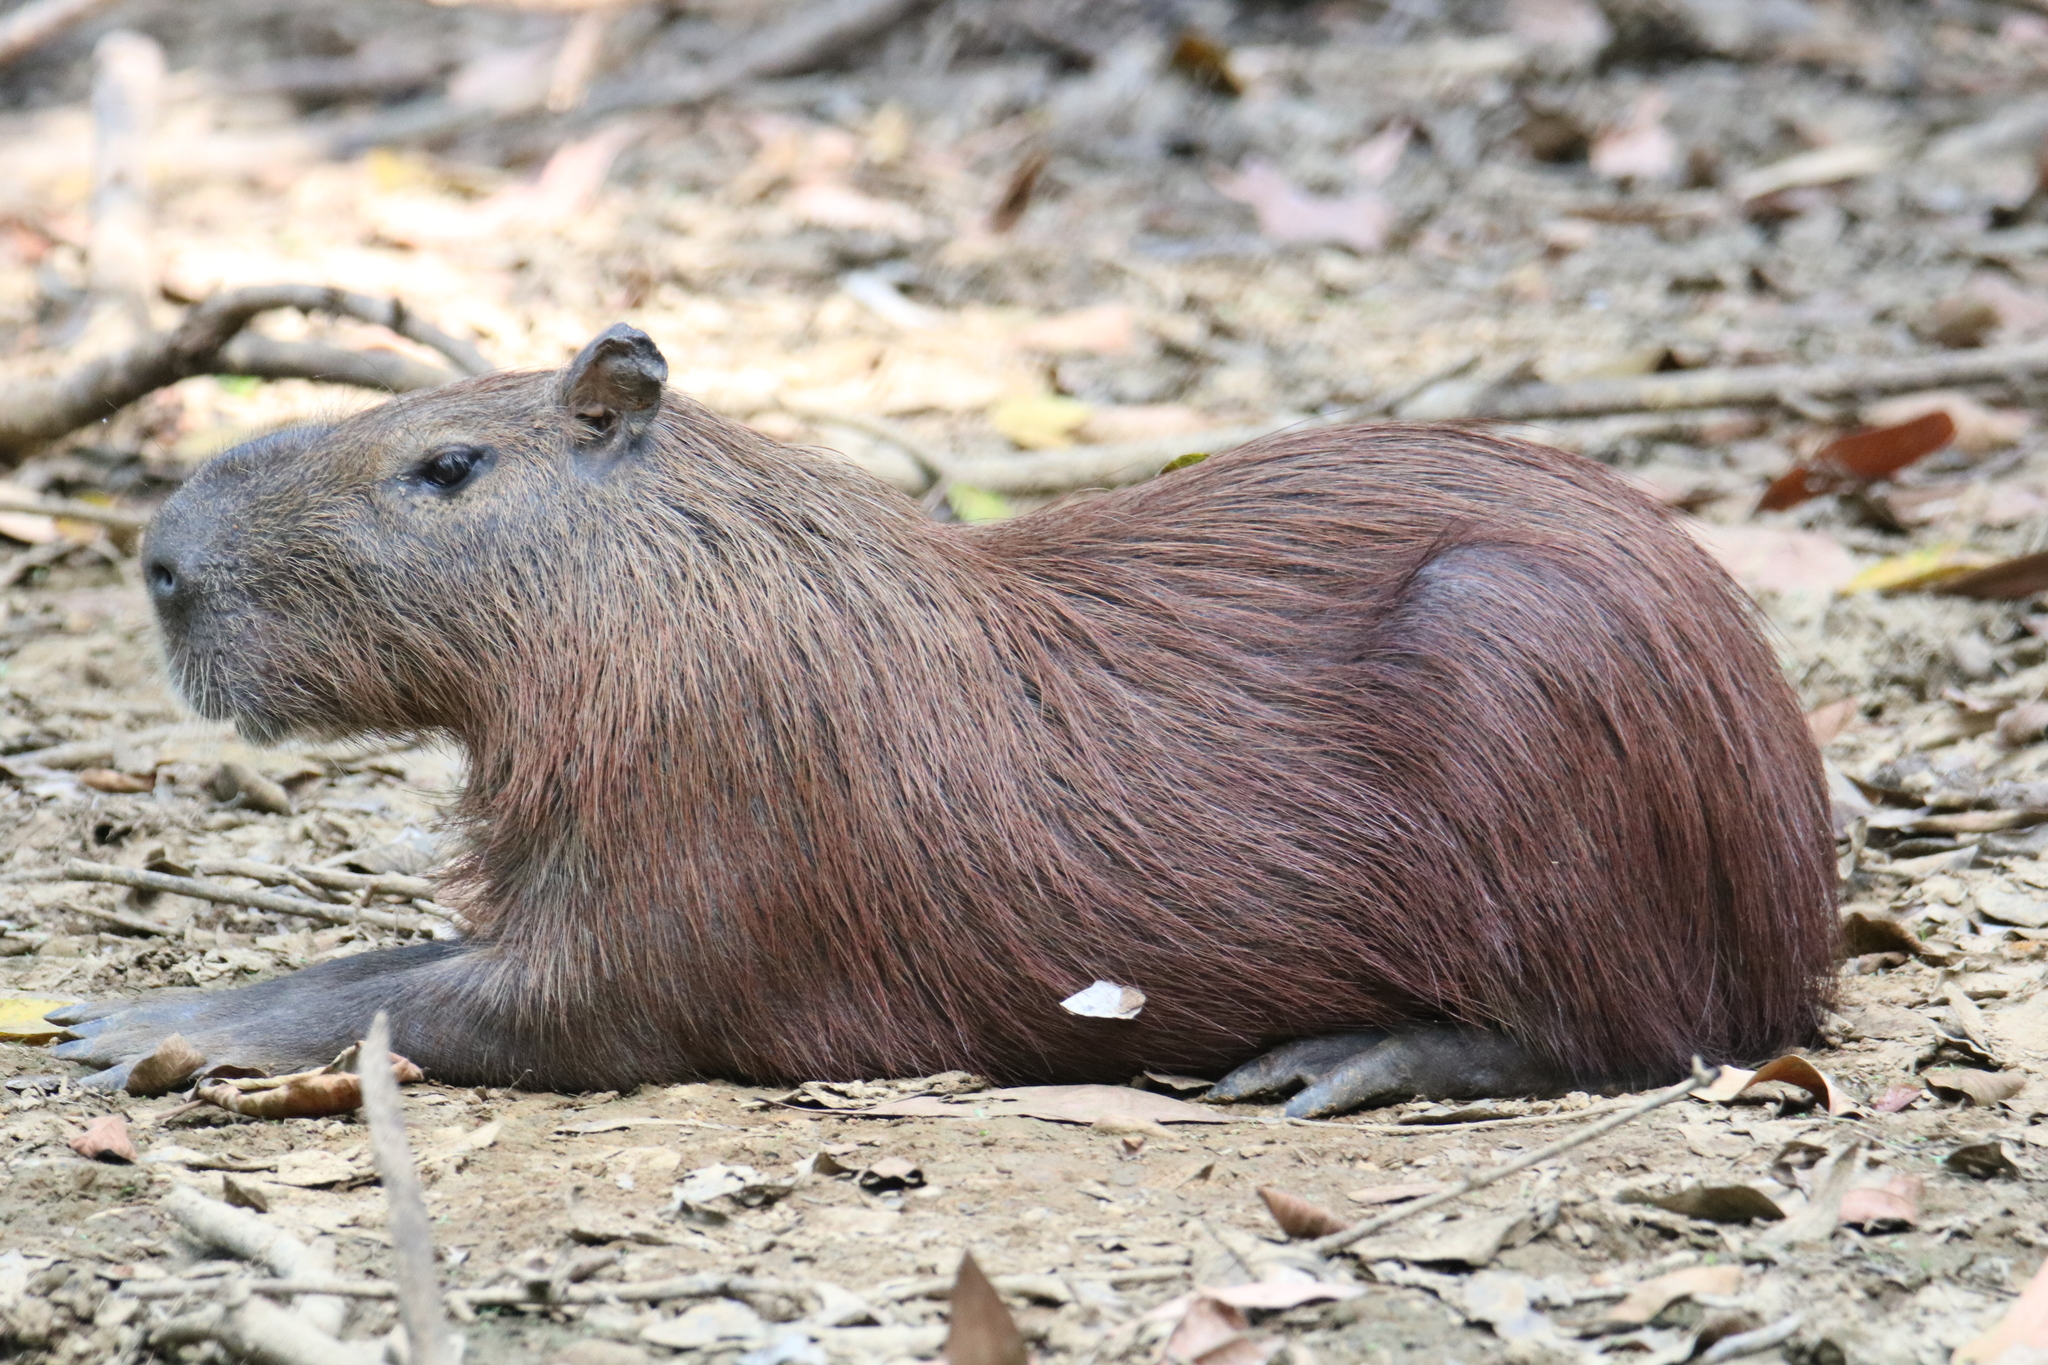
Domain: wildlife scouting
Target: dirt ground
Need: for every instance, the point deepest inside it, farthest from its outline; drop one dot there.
(1398, 203)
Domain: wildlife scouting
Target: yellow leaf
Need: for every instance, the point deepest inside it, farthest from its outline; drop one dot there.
(1916, 569)
(978, 504)
(1040, 423)
(21, 1018)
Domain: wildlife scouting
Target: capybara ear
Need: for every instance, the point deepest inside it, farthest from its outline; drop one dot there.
(613, 389)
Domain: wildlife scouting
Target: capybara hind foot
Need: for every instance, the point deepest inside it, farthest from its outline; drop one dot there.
(272, 1028)
(1347, 1071)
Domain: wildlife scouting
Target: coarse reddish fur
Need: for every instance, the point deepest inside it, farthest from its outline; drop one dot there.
(773, 778)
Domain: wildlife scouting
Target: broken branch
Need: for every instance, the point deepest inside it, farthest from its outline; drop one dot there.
(37, 410)
(1702, 1076)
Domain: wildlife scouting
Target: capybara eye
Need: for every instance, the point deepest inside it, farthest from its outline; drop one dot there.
(449, 468)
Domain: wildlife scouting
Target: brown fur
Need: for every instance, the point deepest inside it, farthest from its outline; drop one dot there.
(772, 778)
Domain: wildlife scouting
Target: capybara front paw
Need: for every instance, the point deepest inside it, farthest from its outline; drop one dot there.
(1348, 1071)
(217, 1026)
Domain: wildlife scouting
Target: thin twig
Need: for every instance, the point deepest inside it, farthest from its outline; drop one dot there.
(1752, 385)
(274, 1289)
(132, 923)
(412, 1238)
(31, 25)
(713, 1284)
(77, 869)
(1702, 1076)
(73, 510)
(88, 753)
(1751, 1342)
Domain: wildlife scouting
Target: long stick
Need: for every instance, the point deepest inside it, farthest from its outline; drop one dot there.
(1702, 1076)
(77, 869)
(127, 86)
(412, 1236)
(30, 26)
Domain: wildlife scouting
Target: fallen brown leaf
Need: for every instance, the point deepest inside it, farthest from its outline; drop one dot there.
(2006, 581)
(1298, 1218)
(1652, 1297)
(1891, 1207)
(1826, 722)
(980, 1330)
(310, 1095)
(105, 1139)
(1288, 213)
(107, 780)
(1981, 1088)
(1792, 1070)
(1898, 1099)
(172, 1064)
(1982, 1161)
(1859, 458)
(1714, 1203)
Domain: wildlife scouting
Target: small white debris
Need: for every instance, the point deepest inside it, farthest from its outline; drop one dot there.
(1105, 1000)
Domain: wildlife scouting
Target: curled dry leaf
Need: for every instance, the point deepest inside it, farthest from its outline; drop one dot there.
(105, 1139)
(1713, 1203)
(309, 1095)
(1298, 1218)
(1981, 1088)
(979, 1329)
(1792, 1070)
(174, 1062)
(1859, 458)
(333, 1089)
(1865, 931)
(1891, 1207)
(1982, 1161)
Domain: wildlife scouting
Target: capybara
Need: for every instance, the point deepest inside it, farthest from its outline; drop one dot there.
(1385, 760)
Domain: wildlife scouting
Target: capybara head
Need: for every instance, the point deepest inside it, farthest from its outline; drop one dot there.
(440, 557)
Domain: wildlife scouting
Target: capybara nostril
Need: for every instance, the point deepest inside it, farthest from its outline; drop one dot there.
(163, 579)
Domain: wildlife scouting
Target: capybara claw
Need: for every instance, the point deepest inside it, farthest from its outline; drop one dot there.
(85, 1011)
(113, 1078)
(1291, 1066)
(1348, 1071)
